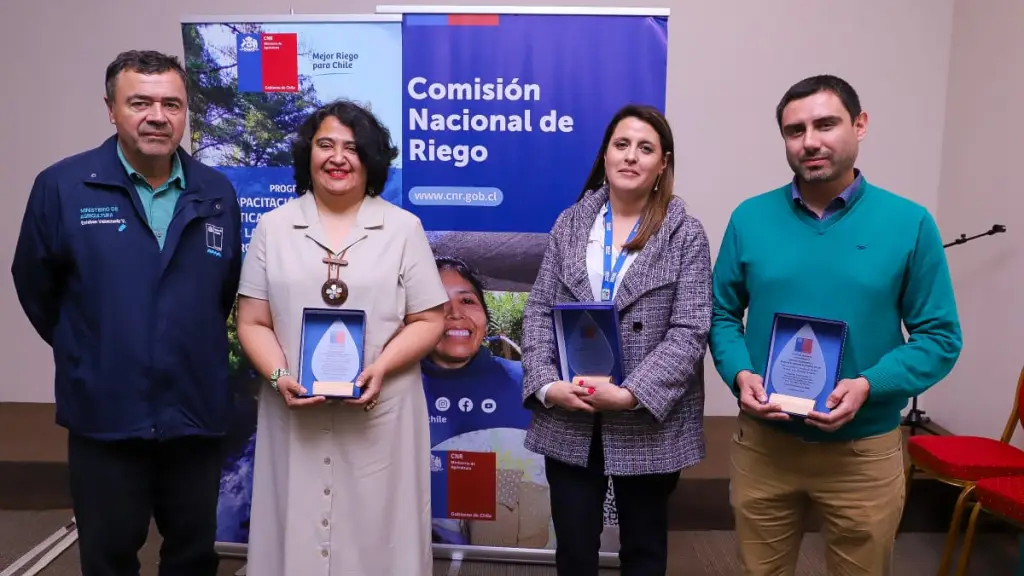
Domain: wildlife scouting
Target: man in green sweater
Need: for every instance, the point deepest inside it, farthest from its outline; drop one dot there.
(828, 245)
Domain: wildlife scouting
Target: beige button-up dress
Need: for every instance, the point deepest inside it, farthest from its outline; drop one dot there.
(338, 490)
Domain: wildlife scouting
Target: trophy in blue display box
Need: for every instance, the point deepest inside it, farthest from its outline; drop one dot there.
(331, 352)
(588, 342)
(804, 359)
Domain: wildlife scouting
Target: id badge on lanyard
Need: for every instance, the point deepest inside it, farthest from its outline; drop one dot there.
(611, 272)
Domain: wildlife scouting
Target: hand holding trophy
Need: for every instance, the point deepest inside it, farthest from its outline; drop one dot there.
(589, 348)
(805, 357)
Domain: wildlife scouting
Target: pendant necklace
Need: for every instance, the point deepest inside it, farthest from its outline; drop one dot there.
(334, 291)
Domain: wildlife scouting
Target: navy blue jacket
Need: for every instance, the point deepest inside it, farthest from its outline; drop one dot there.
(139, 335)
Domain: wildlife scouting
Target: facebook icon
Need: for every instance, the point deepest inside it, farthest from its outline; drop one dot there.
(465, 404)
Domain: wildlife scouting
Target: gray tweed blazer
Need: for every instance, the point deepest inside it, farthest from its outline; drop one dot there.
(664, 304)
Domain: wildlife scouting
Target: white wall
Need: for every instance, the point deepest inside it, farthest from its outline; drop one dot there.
(980, 187)
(729, 63)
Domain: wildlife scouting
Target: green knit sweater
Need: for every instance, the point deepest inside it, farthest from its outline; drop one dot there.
(875, 263)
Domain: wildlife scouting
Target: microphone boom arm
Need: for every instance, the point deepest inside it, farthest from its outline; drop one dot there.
(963, 239)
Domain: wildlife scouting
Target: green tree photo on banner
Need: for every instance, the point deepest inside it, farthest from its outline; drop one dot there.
(232, 128)
(506, 309)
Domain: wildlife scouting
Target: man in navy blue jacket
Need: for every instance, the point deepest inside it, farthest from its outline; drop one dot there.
(127, 265)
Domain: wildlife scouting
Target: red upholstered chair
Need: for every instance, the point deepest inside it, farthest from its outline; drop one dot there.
(964, 460)
(1002, 496)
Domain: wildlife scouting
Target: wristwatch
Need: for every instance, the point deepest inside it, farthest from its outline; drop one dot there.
(276, 375)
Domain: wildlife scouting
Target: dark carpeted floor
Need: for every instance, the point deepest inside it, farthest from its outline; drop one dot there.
(693, 553)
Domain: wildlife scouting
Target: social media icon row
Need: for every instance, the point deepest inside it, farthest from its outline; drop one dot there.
(443, 404)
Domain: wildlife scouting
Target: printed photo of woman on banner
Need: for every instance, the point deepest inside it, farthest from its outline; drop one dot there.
(465, 375)
(475, 371)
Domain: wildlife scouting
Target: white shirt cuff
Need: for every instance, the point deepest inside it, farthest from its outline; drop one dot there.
(542, 395)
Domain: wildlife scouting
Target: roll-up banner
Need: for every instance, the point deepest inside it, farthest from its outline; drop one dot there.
(254, 80)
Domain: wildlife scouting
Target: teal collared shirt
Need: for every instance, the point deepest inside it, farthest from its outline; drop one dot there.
(159, 204)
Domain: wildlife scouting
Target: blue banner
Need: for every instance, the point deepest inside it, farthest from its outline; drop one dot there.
(254, 83)
(504, 113)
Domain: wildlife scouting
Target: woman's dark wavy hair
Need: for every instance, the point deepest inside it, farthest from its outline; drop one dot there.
(462, 269)
(373, 144)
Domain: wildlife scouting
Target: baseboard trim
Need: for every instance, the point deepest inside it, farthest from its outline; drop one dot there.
(34, 486)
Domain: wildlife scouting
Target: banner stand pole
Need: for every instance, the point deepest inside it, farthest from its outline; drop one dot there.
(459, 554)
(505, 555)
(231, 550)
(456, 564)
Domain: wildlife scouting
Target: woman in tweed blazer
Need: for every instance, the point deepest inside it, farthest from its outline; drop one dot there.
(643, 432)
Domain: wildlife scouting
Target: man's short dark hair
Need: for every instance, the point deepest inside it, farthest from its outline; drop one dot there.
(821, 83)
(373, 144)
(142, 62)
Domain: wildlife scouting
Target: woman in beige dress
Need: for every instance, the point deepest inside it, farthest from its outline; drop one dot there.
(341, 487)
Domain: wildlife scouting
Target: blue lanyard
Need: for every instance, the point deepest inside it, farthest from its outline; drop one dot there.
(611, 274)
